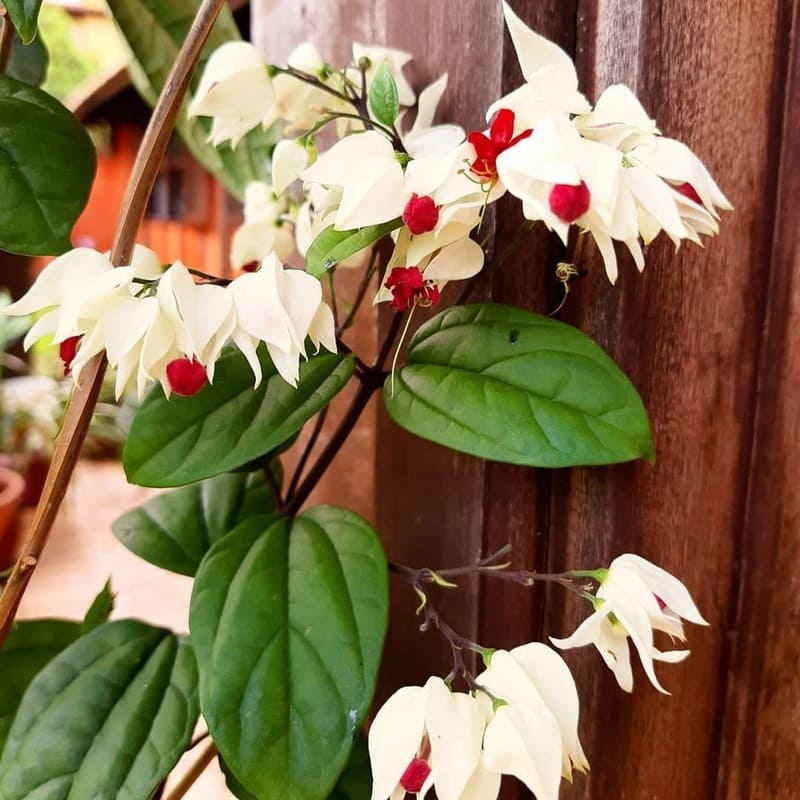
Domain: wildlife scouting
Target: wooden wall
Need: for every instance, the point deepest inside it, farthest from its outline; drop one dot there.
(710, 339)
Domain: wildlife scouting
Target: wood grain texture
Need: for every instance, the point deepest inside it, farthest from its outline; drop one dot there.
(687, 332)
(760, 746)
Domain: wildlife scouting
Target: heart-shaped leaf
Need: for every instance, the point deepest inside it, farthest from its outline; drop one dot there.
(504, 384)
(47, 164)
(332, 246)
(175, 530)
(106, 718)
(186, 439)
(154, 30)
(30, 645)
(288, 621)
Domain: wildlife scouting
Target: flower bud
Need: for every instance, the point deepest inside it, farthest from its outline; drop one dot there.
(67, 350)
(569, 202)
(186, 376)
(420, 214)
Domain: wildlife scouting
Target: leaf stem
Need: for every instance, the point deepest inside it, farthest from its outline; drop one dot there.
(362, 291)
(84, 398)
(6, 39)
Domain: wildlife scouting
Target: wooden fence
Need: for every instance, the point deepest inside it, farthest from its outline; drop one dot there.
(710, 338)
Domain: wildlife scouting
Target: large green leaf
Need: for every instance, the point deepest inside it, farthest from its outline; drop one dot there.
(154, 30)
(186, 439)
(47, 163)
(332, 246)
(108, 718)
(288, 622)
(30, 645)
(175, 530)
(508, 385)
(28, 64)
(25, 16)
(355, 783)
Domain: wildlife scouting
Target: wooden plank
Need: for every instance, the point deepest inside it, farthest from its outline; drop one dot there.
(687, 333)
(761, 749)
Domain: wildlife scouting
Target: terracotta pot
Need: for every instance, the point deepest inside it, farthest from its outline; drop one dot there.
(12, 487)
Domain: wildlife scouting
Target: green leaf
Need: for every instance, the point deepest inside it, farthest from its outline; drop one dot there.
(107, 718)
(31, 644)
(28, 64)
(508, 385)
(175, 530)
(186, 439)
(154, 30)
(332, 246)
(47, 163)
(25, 16)
(383, 97)
(288, 622)
(355, 783)
(100, 609)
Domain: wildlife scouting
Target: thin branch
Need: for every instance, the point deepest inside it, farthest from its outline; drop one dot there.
(362, 291)
(312, 440)
(81, 405)
(195, 771)
(6, 40)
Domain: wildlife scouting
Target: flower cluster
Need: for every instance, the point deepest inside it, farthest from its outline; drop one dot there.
(521, 717)
(605, 169)
(522, 722)
(157, 325)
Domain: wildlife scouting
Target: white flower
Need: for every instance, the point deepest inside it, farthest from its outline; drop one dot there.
(280, 307)
(635, 597)
(300, 103)
(618, 120)
(426, 736)
(366, 168)
(551, 86)
(235, 90)
(424, 138)
(266, 227)
(534, 675)
(289, 159)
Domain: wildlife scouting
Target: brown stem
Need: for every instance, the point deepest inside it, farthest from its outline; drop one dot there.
(6, 40)
(362, 290)
(312, 440)
(195, 771)
(371, 380)
(81, 406)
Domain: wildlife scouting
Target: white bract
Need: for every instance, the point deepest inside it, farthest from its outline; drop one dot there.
(170, 328)
(235, 90)
(425, 736)
(267, 227)
(635, 598)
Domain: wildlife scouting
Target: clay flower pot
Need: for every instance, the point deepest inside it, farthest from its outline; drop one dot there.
(12, 487)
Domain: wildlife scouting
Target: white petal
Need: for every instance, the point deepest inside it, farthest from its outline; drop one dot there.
(146, 264)
(662, 584)
(455, 725)
(553, 681)
(586, 633)
(483, 785)
(612, 644)
(457, 261)
(248, 346)
(526, 743)
(289, 159)
(323, 329)
(394, 737)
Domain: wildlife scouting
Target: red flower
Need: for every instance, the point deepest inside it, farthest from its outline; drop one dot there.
(415, 775)
(408, 287)
(500, 139)
(186, 376)
(420, 214)
(569, 202)
(687, 190)
(67, 350)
